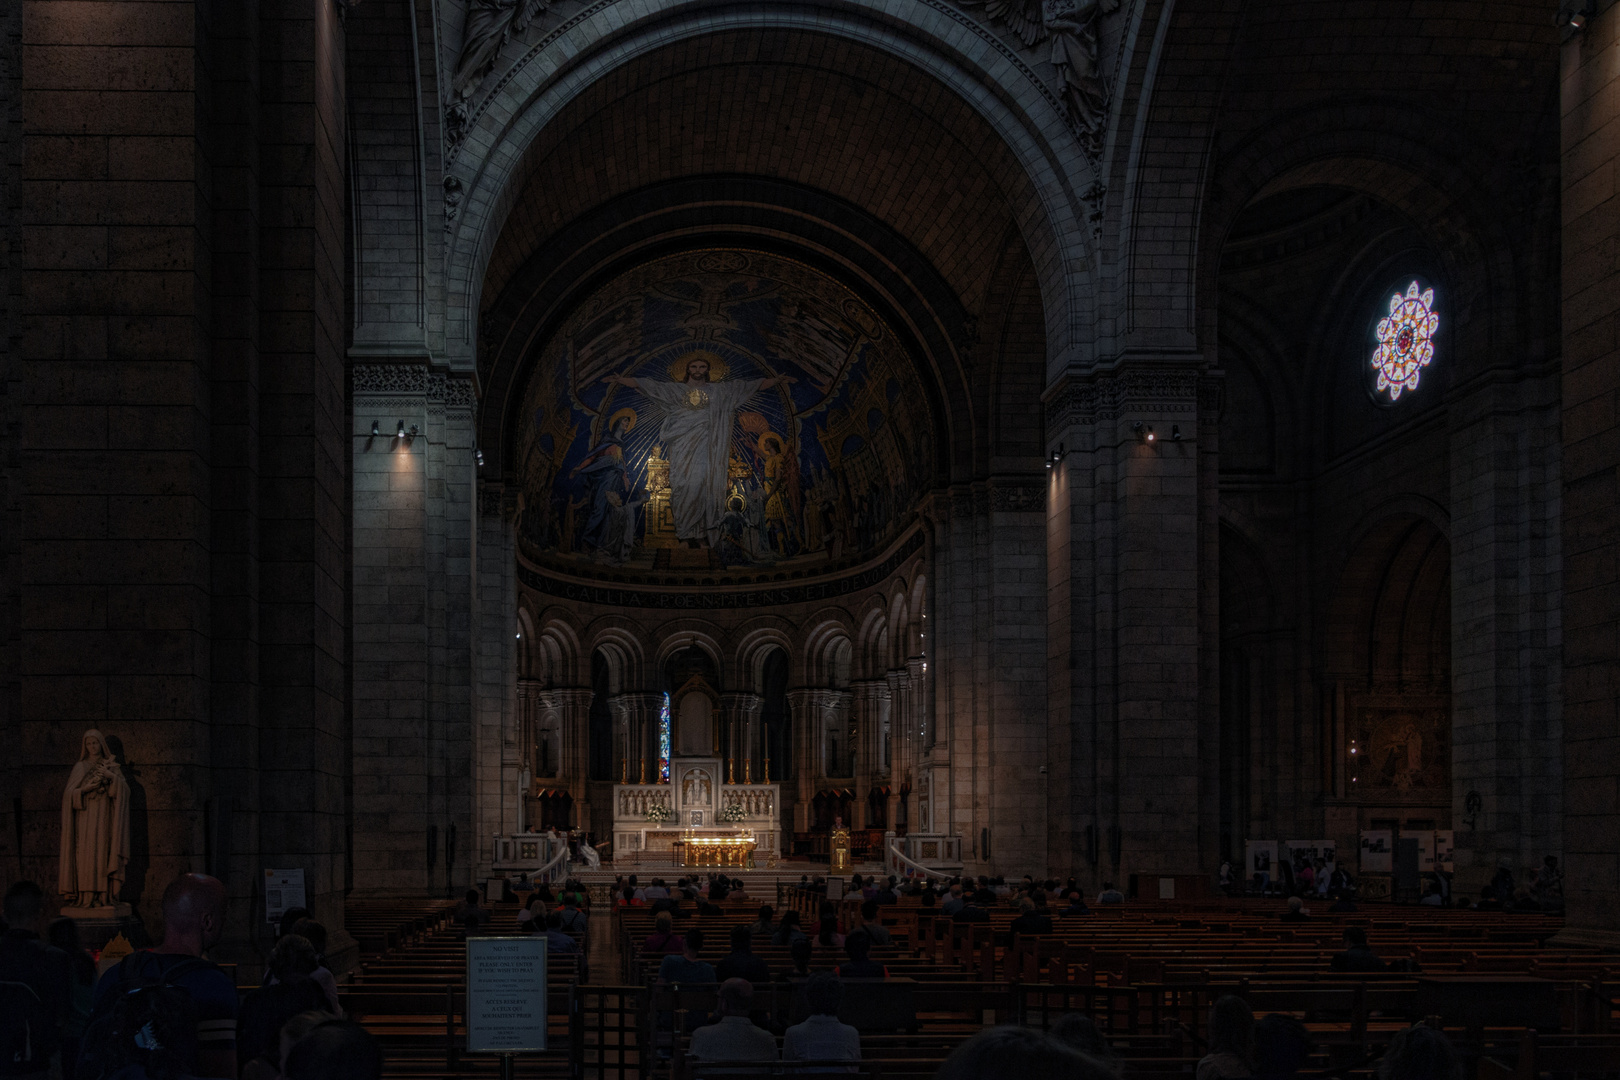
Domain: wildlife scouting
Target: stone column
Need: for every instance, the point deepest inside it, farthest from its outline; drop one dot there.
(413, 619)
(869, 707)
(1124, 620)
(1591, 480)
(636, 717)
(806, 736)
(742, 717)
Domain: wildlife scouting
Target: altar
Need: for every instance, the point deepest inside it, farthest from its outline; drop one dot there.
(696, 805)
(716, 847)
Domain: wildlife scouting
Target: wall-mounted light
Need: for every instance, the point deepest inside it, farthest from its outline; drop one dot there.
(400, 434)
(1175, 432)
(1144, 432)
(376, 428)
(1056, 456)
(478, 456)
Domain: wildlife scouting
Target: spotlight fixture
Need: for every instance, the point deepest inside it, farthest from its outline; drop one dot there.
(1057, 456)
(478, 455)
(1578, 21)
(413, 431)
(1175, 432)
(376, 428)
(400, 434)
(1143, 431)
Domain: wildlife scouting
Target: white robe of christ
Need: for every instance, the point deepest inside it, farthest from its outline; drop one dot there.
(698, 418)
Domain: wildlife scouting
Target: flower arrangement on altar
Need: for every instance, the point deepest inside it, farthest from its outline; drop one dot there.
(658, 813)
(732, 812)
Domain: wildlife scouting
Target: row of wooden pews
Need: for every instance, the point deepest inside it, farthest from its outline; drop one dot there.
(411, 995)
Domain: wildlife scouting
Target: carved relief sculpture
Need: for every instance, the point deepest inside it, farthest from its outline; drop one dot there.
(1071, 25)
(490, 25)
(95, 828)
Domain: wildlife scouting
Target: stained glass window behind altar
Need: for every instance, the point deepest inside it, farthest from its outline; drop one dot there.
(1405, 340)
(663, 741)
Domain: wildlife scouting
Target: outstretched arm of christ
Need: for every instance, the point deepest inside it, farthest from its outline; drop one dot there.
(780, 380)
(622, 380)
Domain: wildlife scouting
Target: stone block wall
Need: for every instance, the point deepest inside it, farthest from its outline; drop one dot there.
(175, 402)
(1591, 483)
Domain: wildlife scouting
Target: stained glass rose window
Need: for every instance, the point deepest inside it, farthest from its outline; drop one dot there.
(1405, 340)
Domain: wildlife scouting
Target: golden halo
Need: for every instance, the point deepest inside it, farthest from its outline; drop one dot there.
(718, 368)
(623, 414)
(771, 435)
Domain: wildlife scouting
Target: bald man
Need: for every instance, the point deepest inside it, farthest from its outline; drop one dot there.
(193, 920)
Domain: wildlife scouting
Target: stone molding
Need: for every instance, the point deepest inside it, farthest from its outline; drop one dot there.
(1108, 397)
(415, 380)
(1010, 499)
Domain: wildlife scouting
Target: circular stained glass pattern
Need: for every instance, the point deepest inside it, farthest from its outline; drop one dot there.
(1405, 340)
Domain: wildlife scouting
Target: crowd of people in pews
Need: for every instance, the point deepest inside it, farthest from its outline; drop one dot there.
(167, 1012)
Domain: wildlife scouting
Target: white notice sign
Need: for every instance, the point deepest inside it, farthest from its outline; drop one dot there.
(506, 994)
(283, 890)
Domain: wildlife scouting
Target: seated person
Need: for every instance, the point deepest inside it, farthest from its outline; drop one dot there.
(1432, 897)
(953, 903)
(742, 963)
(1030, 921)
(970, 912)
(1357, 956)
(556, 940)
(822, 1036)
(1110, 895)
(686, 967)
(885, 892)
(858, 948)
(1077, 904)
(766, 923)
(734, 1037)
(1231, 1041)
(1001, 1052)
(801, 952)
(788, 930)
(927, 899)
(1296, 911)
(335, 1048)
(663, 939)
(573, 919)
(872, 927)
(470, 915)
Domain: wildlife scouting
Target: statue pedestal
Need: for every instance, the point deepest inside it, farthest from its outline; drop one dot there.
(99, 925)
(93, 914)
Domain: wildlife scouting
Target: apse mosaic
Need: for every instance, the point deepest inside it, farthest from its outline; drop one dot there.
(721, 410)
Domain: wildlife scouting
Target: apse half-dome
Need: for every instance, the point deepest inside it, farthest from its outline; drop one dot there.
(725, 411)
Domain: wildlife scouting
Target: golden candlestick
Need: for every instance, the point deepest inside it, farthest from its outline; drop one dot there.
(643, 779)
(748, 770)
(767, 772)
(731, 770)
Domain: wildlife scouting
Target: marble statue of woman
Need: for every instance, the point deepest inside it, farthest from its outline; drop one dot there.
(95, 828)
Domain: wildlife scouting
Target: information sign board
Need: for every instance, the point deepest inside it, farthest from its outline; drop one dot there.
(506, 994)
(283, 890)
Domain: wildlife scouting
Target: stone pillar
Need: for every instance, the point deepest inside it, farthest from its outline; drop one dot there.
(742, 718)
(807, 738)
(1591, 479)
(636, 717)
(1506, 696)
(869, 710)
(413, 618)
(1124, 621)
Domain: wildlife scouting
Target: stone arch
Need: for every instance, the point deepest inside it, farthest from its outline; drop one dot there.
(1391, 614)
(621, 646)
(870, 647)
(1433, 182)
(693, 634)
(950, 49)
(827, 651)
(755, 644)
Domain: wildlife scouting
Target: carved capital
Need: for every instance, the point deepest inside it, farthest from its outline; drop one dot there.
(1160, 391)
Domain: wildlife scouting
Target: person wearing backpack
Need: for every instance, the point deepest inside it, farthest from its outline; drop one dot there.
(36, 986)
(168, 979)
